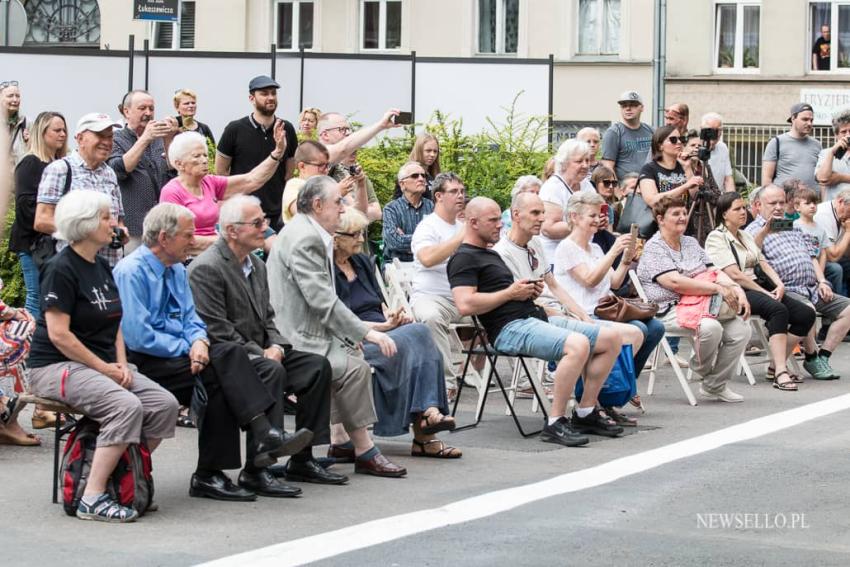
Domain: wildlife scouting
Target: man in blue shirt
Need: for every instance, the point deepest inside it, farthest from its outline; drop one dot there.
(402, 215)
(166, 337)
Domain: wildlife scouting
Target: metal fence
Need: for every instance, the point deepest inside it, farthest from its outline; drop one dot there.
(747, 142)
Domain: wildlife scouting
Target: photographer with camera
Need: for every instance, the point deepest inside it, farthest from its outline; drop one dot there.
(695, 158)
(833, 167)
(719, 160)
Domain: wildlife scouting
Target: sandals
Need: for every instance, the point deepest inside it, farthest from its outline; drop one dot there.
(184, 420)
(636, 402)
(12, 409)
(444, 452)
(620, 418)
(42, 419)
(434, 422)
(787, 386)
(770, 376)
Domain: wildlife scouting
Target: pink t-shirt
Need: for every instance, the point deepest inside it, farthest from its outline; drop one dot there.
(205, 208)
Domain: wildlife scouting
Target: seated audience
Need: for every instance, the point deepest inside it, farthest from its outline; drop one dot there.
(833, 217)
(363, 196)
(483, 285)
(168, 341)
(525, 183)
(605, 182)
(78, 352)
(201, 193)
(671, 266)
(409, 387)
(666, 174)
(231, 293)
(806, 202)
(790, 256)
(426, 152)
(787, 320)
(314, 319)
(311, 159)
(403, 215)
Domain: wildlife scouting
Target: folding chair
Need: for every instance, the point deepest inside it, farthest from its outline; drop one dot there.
(491, 372)
(760, 332)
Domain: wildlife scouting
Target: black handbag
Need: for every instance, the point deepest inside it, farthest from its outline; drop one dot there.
(762, 279)
(636, 211)
(42, 250)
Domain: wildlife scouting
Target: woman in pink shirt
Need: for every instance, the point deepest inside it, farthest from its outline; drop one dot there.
(200, 192)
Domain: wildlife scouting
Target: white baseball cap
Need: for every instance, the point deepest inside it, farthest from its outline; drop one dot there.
(630, 96)
(95, 122)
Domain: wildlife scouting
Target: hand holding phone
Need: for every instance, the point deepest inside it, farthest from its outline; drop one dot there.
(403, 118)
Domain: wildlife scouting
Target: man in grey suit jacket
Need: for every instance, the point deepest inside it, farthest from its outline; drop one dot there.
(232, 297)
(310, 314)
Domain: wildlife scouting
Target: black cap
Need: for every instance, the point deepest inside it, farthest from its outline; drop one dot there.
(798, 108)
(262, 82)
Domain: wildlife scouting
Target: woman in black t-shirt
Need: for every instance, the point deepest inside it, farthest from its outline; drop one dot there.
(78, 353)
(186, 104)
(666, 173)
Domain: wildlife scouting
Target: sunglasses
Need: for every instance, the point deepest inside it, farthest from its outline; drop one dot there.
(415, 176)
(677, 140)
(5, 84)
(610, 183)
(354, 235)
(323, 165)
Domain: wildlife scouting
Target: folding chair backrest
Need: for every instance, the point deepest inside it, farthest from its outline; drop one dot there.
(381, 284)
(397, 296)
(405, 272)
(633, 277)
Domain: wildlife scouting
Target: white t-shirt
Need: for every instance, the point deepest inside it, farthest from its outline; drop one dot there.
(431, 281)
(556, 191)
(569, 255)
(838, 166)
(520, 261)
(825, 218)
(721, 165)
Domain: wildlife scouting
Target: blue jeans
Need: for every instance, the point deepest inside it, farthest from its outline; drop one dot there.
(31, 281)
(653, 332)
(834, 274)
(539, 339)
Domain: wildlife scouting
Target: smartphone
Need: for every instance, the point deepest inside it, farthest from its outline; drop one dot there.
(603, 210)
(404, 118)
(542, 276)
(781, 225)
(633, 246)
(715, 305)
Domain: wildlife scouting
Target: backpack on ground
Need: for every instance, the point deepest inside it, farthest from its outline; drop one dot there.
(130, 484)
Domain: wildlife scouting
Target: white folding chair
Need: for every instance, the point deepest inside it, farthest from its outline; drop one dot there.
(760, 333)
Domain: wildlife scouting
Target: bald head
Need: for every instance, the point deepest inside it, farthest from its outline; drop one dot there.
(524, 201)
(479, 206)
(483, 222)
(772, 199)
(527, 212)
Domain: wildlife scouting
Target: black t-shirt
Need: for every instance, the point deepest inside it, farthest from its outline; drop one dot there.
(665, 179)
(86, 292)
(247, 144)
(821, 49)
(203, 129)
(27, 177)
(485, 270)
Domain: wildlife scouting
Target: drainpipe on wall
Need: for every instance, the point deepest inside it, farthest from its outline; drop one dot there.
(659, 61)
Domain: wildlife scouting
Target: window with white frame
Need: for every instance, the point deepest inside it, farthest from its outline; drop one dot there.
(380, 24)
(176, 35)
(829, 25)
(736, 37)
(599, 27)
(294, 24)
(498, 26)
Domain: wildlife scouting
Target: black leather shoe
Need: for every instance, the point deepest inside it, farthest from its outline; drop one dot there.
(311, 471)
(561, 432)
(277, 443)
(264, 483)
(219, 487)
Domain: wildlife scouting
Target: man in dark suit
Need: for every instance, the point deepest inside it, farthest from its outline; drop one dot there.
(232, 297)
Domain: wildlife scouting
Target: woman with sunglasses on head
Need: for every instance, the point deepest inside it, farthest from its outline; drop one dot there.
(200, 192)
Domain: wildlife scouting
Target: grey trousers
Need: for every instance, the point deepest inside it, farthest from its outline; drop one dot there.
(351, 394)
(439, 313)
(124, 415)
(717, 348)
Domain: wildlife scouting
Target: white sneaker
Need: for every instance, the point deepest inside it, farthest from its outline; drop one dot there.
(678, 360)
(726, 395)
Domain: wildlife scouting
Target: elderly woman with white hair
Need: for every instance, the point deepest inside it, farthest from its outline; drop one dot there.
(571, 166)
(524, 184)
(78, 353)
(200, 192)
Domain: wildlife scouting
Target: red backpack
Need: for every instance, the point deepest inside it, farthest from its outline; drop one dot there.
(130, 484)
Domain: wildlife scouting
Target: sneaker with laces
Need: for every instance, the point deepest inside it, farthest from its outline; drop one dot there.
(819, 368)
(105, 509)
(833, 375)
(596, 422)
(725, 395)
(561, 432)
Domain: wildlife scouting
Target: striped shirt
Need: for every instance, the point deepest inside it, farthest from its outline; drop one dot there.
(401, 214)
(789, 253)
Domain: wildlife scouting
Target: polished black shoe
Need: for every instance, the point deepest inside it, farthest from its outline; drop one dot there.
(219, 487)
(264, 483)
(277, 443)
(561, 432)
(311, 471)
(596, 422)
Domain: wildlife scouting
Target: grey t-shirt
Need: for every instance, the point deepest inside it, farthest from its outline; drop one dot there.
(627, 148)
(797, 159)
(720, 163)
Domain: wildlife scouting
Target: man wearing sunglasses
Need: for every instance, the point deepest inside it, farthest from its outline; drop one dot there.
(403, 215)
(10, 100)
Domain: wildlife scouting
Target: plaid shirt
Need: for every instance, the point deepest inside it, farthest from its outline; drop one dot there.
(101, 179)
(400, 213)
(789, 253)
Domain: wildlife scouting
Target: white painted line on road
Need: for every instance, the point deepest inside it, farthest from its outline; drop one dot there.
(330, 544)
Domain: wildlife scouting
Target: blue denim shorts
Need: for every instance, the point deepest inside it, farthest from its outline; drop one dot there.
(536, 338)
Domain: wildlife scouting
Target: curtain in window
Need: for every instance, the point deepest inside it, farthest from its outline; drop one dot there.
(588, 28)
(726, 22)
(821, 14)
(752, 15)
(511, 25)
(393, 25)
(305, 25)
(843, 37)
(371, 24)
(487, 26)
(611, 34)
(284, 25)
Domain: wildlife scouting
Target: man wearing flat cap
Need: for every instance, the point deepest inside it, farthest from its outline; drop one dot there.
(794, 154)
(250, 140)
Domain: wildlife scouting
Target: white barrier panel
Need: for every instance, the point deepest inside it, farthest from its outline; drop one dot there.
(475, 91)
(288, 75)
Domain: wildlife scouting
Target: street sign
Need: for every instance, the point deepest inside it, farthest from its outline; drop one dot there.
(158, 10)
(825, 102)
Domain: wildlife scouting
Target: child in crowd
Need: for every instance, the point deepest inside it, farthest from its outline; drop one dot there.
(806, 204)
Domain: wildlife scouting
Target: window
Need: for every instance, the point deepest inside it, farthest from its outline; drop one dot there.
(829, 21)
(599, 27)
(498, 26)
(294, 25)
(380, 24)
(736, 39)
(179, 35)
(61, 22)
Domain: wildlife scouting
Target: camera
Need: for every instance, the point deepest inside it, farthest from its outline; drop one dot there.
(117, 241)
(707, 135)
(839, 153)
(354, 170)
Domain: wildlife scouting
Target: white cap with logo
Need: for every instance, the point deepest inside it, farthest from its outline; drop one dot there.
(95, 122)
(630, 96)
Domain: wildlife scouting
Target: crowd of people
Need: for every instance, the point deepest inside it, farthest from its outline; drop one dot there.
(160, 263)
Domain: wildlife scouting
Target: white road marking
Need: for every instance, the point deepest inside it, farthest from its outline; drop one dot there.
(330, 544)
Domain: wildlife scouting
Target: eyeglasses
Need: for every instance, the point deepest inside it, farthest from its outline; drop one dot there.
(323, 165)
(256, 223)
(354, 235)
(611, 183)
(415, 176)
(677, 140)
(5, 84)
(342, 129)
(533, 262)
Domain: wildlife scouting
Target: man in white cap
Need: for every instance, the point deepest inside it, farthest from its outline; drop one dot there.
(86, 168)
(625, 145)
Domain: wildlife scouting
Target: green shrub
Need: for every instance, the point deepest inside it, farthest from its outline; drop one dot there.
(14, 291)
